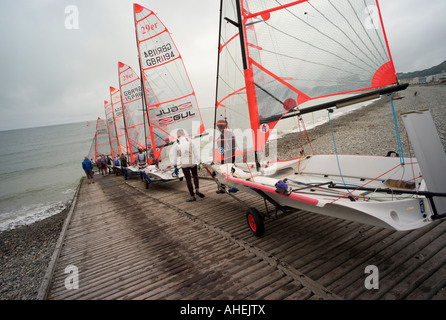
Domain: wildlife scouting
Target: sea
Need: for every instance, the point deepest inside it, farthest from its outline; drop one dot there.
(40, 170)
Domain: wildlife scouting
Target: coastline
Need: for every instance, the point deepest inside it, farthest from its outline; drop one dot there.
(24, 256)
(26, 251)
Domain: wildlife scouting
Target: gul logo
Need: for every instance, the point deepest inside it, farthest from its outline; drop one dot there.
(175, 114)
(169, 110)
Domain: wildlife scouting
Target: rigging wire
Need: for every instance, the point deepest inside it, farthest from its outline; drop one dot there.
(336, 150)
(397, 131)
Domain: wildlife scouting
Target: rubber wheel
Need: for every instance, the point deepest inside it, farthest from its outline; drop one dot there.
(255, 222)
(146, 183)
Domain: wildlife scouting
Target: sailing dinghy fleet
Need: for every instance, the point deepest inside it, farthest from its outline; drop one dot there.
(277, 60)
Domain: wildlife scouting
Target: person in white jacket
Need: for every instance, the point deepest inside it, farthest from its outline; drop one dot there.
(184, 150)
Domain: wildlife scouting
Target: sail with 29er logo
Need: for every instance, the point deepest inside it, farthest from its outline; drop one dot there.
(134, 112)
(168, 92)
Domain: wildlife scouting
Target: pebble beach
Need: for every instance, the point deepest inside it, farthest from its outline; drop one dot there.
(25, 252)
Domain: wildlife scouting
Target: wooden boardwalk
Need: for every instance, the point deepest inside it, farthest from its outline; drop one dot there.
(131, 243)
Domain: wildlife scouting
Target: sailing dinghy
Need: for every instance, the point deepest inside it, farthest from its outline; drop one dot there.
(168, 94)
(281, 59)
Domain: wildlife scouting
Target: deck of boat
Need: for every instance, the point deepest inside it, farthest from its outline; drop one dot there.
(131, 243)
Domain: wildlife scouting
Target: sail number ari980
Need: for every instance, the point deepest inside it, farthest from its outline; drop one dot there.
(159, 55)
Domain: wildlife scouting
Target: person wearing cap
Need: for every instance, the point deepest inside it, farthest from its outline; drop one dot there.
(185, 151)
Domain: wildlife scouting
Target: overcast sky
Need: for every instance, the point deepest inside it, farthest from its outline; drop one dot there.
(51, 74)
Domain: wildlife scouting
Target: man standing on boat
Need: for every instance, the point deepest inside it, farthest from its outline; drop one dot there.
(185, 150)
(87, 165)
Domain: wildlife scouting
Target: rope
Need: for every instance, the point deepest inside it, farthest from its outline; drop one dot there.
(336, 150)
(397, 131)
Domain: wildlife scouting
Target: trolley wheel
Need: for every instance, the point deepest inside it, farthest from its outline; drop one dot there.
(255, 222)
(125, 177)
(180, 179)
(146, 183)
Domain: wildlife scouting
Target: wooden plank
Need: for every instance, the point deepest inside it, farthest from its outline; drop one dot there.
(129, 242)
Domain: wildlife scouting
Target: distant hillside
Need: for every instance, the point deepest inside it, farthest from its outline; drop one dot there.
(423, 73)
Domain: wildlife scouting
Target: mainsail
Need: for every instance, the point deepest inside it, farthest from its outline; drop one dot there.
(169, 95)
(119, 120)
(134, 113)
(283, 58)
(111, 129)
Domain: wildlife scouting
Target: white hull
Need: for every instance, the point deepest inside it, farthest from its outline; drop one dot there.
(395, 211)
(152, 174)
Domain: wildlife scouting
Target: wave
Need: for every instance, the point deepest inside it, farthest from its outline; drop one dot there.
(31, 214)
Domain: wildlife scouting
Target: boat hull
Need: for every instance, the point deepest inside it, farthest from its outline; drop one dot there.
(310, 179)
(152, 174)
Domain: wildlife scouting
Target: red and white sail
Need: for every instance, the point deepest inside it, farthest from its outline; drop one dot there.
(280, 57)
(134, 110)
(169, 95)
(119, 120)
(111, 128)
(101, 141)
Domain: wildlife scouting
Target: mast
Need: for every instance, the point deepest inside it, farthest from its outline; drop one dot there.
(249, 81)
(114, 120)
(127, 140)
(216, 82)
(143, 89)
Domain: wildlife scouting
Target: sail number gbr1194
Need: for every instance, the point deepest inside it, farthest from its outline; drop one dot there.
(159, 55)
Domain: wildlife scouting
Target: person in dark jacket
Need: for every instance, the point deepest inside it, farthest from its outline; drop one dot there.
(87, 165)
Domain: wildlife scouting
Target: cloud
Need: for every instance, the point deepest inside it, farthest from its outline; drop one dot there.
(51, 74)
